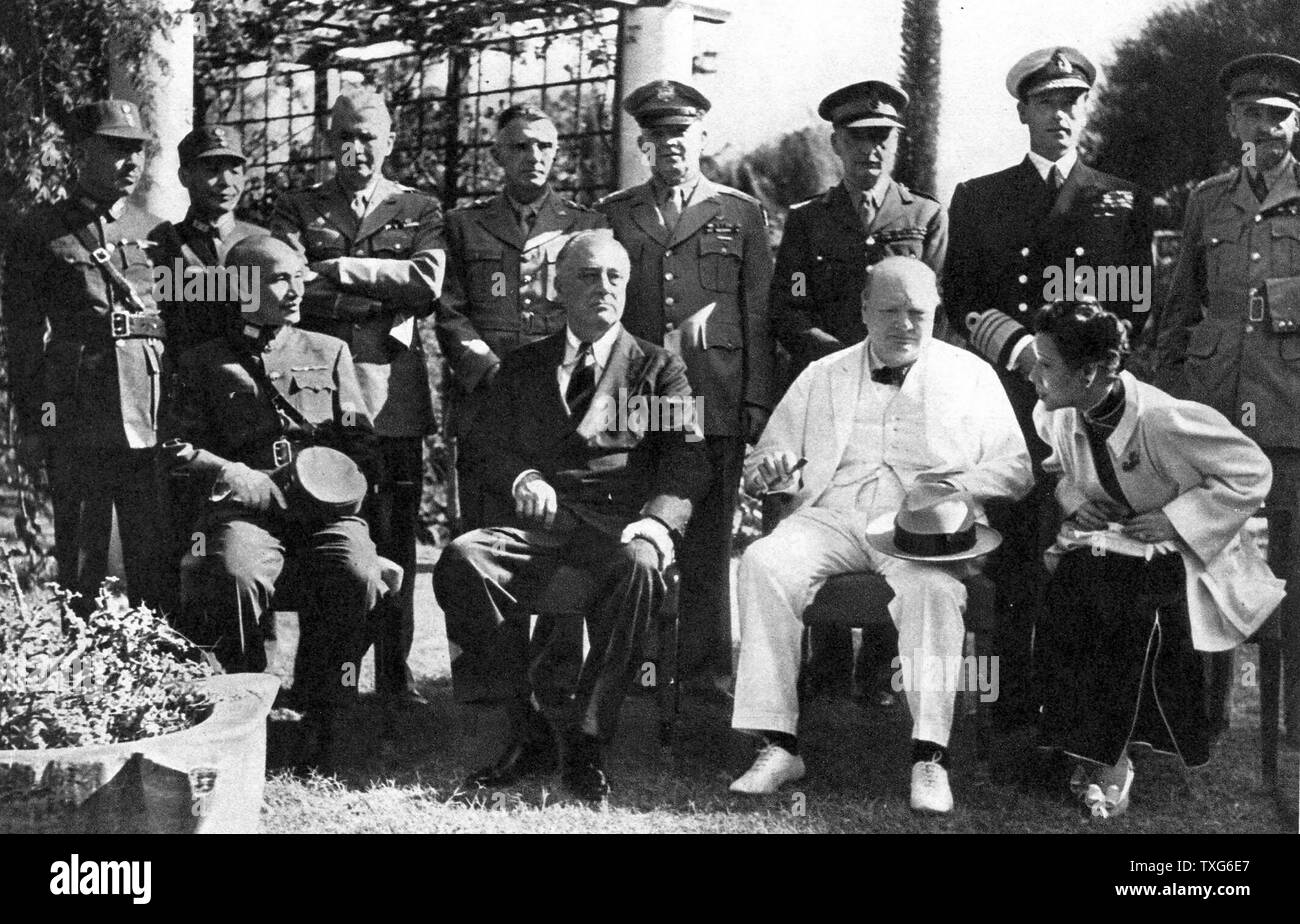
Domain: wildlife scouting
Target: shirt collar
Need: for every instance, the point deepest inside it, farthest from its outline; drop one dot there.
(527, 208)
(222, 227)
(876, 194)
(1044, 166)
(367, 194)
(661, 190)
(600, 349)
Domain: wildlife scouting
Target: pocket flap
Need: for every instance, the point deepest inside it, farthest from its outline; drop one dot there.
(1204, 340)
(310, 380)
(710, 244)
(1283, 297)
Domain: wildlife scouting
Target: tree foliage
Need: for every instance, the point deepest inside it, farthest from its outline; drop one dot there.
(919, 147)
(1159, 118)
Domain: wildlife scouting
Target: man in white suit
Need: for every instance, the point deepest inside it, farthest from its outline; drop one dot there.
(872, 421)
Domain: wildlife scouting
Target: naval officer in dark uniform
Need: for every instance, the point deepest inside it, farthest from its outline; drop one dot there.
(701, 269)
(84, 346)
(1008, 231)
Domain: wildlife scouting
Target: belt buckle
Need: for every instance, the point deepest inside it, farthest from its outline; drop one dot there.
(281, 452)
(120, 323)
(100, 255)
(1256, 305)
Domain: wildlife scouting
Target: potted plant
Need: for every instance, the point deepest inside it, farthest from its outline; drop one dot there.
(117, 723)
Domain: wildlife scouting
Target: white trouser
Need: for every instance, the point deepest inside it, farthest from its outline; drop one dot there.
(782, 572)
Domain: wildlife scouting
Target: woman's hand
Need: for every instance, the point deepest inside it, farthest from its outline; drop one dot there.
(1151, 527)
(1096, 514)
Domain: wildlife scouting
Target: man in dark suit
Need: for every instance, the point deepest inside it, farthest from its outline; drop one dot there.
(589, 487)
(701, 268)
(376, 248)
(828, 245)
(1011, 235)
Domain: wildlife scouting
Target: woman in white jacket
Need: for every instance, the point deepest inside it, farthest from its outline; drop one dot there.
(1154, 491)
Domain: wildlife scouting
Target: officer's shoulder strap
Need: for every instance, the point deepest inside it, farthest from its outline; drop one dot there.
(576, 206)
(1221, 179)
(737, 194)
(619, 195)
(916, 192)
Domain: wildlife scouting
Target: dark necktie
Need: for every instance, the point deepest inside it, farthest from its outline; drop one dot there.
(1258, 186)
(527, 217)
(582, 384)
(890, 375)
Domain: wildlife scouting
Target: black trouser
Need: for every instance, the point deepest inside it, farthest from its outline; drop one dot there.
(87, 483)
(487, 581)
(1116, 660)
(705, 561)
(393, 513)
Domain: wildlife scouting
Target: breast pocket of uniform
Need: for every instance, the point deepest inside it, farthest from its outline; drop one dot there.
(719, 263)
(1284, 234)
(1225, 257)
(312, 392)
(324, 243)
(486, 272)
(393, 242)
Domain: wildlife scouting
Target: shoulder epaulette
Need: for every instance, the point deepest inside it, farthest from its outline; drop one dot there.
(618, 194)
(737, 194)
(1221, 179)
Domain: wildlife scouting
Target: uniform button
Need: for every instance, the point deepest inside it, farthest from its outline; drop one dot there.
(1255, 255)
(1024, 307)
(1024, 251)
(668, 276)
(1022, 280)
(1078, 251)
(870, 243)
(528, 299)
(668, 253)
(528, 279)
(669, 301)
(668, 326)
(1258, 219)
(1250, 328)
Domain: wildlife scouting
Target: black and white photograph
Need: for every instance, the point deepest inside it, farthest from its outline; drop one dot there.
(650, 416)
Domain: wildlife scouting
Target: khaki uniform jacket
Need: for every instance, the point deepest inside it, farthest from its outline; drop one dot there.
(389, 270)
(222, 413)
(1211, 343)
(821, 266)
(500, 288)
(93, 390)
(700, 290)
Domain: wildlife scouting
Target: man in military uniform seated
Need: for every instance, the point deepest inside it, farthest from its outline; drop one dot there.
(588, 490)
(245, 406)
(212, 172)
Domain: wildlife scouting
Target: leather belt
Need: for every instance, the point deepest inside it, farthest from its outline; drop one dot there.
(125, 325)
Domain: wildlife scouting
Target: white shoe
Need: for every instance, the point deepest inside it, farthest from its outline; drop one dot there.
(930, 792)
(774, 767)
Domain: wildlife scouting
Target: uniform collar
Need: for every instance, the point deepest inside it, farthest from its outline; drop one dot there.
(660, 190)
(1282, 173)
(112, 212)
(262, 339)
(527, 208)
(369, 194)
(1044, 166)
(875, 195)
(221, 228)
(600, 349)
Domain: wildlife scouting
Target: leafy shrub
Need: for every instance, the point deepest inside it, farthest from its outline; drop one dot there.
(120, 674)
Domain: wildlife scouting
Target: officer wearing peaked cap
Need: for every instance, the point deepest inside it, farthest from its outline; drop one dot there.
(828, 245)
(701, 268)
(1007, 232)
(1229, 332)
(212, 171)
(85, 349)
(376, 248)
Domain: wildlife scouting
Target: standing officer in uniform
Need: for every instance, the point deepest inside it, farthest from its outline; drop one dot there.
(830, 240)
(246, 407)
(821, 268)
(376, 249)
(499, 292)
(701, 268)
(1006, 229)
(1229, 334)
(212, 172)
(87, 391)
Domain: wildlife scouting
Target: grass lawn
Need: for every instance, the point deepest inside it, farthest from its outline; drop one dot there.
(858, 776)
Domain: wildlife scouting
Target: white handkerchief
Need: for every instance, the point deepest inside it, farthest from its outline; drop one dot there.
(403, 329)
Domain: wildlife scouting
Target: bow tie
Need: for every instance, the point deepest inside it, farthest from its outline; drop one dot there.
(890, 375)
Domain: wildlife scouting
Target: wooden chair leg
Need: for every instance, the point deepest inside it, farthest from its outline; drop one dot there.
(1270, 682)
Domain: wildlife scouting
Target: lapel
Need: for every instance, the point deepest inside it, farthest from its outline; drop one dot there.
(646, 215)
(891, 207)
(335, 206)
(704, 206)
(1288, 188)
(1027, 191)
(554, 219)
(500, 221)
(618, 374)
(386, 203)
(1123, 441)
(845, 385)
(196, 248)
(1080, 178)
(841, 207)
(1243, 197)
(546, 388)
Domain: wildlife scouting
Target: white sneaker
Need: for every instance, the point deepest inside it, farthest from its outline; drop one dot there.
(774, 767)
(930, 792)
